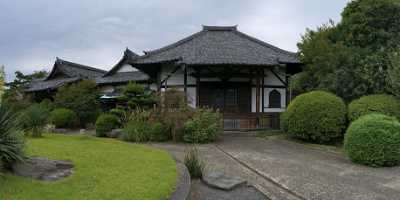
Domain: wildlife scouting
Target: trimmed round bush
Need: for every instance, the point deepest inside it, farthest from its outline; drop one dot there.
(63, 118)
(105, 123)
(374, 140)
(316, 117)
(383, 104)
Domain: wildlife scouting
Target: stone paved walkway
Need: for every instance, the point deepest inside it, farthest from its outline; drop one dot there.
(286, 170)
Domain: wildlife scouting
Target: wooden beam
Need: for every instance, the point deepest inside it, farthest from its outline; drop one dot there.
(277, 76)
(172, 73)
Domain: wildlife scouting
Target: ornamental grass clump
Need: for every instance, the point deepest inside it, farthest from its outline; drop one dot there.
(34, 119)
(374, 140)
(194, 164)
(383, 104)
(315, 117)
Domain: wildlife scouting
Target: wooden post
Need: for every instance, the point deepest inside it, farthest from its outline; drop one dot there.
(185, 81)
(262, 91)
(197, 91)
(258, 92)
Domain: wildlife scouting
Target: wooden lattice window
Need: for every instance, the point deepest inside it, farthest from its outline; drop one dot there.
(275, 99)
(231, 97)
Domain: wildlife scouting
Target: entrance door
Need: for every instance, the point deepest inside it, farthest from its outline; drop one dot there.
(229, 97)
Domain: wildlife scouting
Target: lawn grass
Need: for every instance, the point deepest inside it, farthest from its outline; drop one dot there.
(104, 169)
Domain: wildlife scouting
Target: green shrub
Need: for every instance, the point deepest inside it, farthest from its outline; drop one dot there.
(82, 98)
(193, 163)
(63, 118)
(158, 132)
(135, 131)
(11, 137)
(143, 131)
(203, 128)
(34, 119)
(135, 95)
(48, 104)
(105, 123)
(374, 140)
(283, 122)
(119, 112)
(315, 116)
(383, 104)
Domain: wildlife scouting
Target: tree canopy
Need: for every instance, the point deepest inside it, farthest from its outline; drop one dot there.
(82, 98)
(357, 56)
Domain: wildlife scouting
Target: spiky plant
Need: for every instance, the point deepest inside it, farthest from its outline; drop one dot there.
(11, 138)
(194, 163)
(34, 119)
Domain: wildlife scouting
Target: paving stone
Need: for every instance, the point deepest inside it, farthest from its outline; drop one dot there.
(221, 181)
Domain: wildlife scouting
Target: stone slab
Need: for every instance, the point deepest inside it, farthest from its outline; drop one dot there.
(221, 181)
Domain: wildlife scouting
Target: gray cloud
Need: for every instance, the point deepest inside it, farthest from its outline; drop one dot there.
(95, 32)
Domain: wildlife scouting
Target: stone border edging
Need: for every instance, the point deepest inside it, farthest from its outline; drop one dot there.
(183, 187)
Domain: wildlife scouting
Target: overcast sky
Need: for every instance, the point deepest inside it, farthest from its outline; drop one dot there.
(96, 32)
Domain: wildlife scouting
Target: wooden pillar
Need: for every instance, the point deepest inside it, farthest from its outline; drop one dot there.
(185, 81)
(258, 92)
(251, 90)
(197, 91)
(263, 91)
(158, 82)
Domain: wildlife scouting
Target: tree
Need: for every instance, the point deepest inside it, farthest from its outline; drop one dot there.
(22, 80)
(82, 98)
(13, 96)
(394, 75)
(136, 96)
(352, 58)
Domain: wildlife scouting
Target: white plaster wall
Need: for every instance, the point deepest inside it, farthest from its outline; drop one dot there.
(127, 68)
(153, 87)
(266, 100)
(177, 78)
(283, 100)
(271, 79)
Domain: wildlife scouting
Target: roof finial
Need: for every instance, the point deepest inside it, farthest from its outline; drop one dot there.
(220, 28)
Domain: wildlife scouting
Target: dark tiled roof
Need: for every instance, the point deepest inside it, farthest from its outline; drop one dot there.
(50, 84)
(73, 72)
(220, 45)
(122, 77)
(126, 58)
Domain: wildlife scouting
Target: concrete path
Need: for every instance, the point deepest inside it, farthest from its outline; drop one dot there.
(287, 170)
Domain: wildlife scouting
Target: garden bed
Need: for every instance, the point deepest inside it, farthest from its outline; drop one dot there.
(104, 169)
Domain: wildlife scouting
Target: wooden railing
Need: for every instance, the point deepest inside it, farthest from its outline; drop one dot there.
(251, 121)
